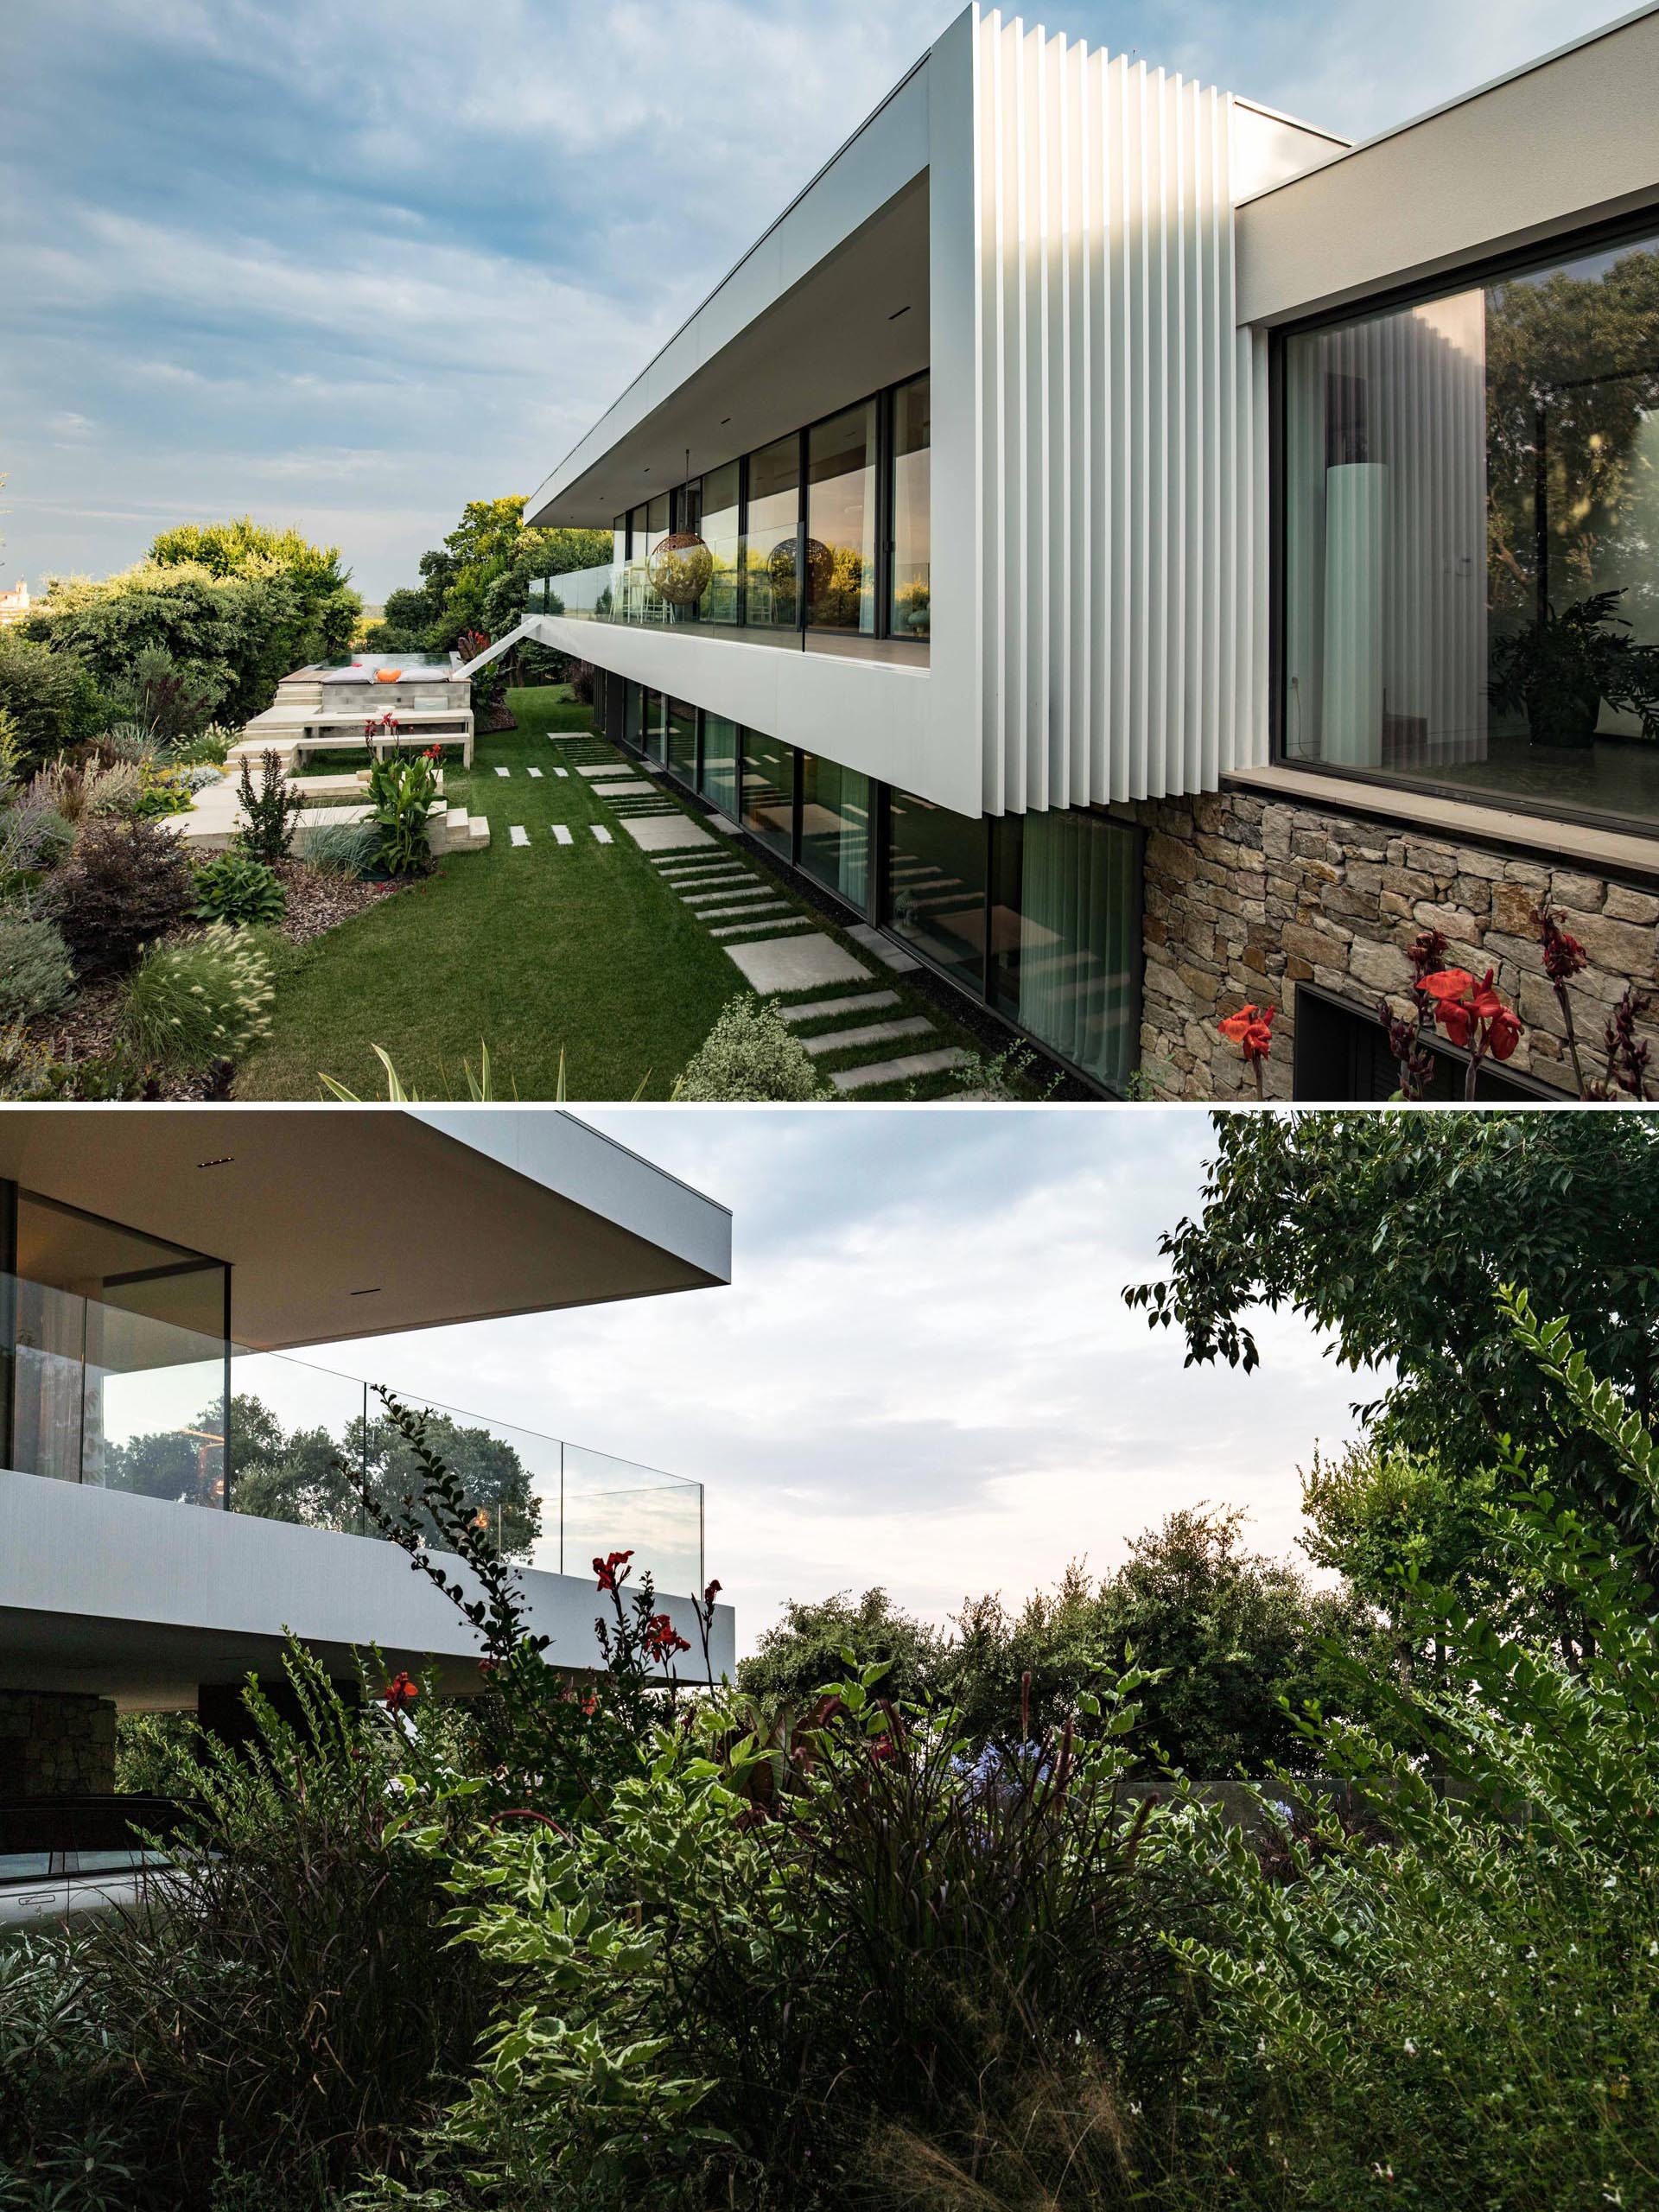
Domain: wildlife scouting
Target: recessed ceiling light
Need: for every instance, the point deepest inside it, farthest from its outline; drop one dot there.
(223, 1161)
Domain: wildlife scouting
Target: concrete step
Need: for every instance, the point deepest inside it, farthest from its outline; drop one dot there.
(869, 1032)
(863, 1002)
(905, 1069)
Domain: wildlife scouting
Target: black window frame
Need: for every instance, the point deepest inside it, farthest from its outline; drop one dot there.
(883, 398)
(1526, 1087)
(1463, 275)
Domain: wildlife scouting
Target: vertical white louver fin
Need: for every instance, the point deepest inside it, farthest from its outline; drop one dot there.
(1120, 426)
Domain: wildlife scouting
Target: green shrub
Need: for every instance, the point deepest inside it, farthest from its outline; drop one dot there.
(205, 748)
(124, 883)
(268, 811)
(130, 741)
(204, 999)
(33, 836)
(36, 974)
(749, 1054)
(234, 888)
(290, 2012)
(52, 696)
(400, 791)
(342, 847)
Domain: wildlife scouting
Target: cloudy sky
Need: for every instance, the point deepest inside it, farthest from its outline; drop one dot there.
(923, 1373)
(347, 264)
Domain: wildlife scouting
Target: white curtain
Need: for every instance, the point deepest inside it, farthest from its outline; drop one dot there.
(1079, 940)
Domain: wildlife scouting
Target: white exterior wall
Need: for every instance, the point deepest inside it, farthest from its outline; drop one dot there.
(1120, 415)
(1099, 482)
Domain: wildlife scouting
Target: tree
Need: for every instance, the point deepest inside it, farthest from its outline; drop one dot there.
(245, 548)
(803, 1651)
(1243, 1643)
(52, 698)
(1394, 1232)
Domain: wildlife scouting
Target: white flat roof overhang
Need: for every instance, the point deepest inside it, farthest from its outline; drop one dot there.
(343, 1221)
(831, 303)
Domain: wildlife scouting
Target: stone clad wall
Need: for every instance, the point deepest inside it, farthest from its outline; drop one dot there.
(1246, 896)
(55, 1744)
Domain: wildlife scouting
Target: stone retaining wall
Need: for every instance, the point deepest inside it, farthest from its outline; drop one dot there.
(55, 1744)
(1246, 896)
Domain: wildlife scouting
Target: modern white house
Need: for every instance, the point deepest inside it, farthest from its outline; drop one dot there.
(1143, 553)
(178, 1489)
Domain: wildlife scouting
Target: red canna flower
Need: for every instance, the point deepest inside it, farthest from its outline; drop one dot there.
(709, 1596)
(401, 1693)
(662, 1639)
(1474, 1016)
(605, 1569)
(1251, 1030)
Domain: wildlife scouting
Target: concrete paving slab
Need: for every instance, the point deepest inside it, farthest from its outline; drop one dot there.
(860, 1002)
(504, 771)
(797, 963)
(600, 832)
(563, 834)
(664, 832)
(872, 939)
(534, 771)
(518, 836)
(905, 1069)
(766, 926)
(869, 1032)
(603, 768)
(562, 772)
(776, 907)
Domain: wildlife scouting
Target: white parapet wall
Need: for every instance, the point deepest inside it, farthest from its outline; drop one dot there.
(133, 1597)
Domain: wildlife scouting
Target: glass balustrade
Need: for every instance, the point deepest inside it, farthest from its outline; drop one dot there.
(90, 1393)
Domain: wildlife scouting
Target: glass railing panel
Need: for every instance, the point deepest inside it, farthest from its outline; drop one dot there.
(104, 1396)
(298, 1439)
(511, 1475)
(614, 1505)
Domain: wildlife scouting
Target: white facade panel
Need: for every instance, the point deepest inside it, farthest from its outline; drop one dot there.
(1119, 418)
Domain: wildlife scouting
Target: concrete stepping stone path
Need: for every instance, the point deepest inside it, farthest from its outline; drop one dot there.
(860, 1002)
(796, 963)
(518, 836)
(869, 1032)
(563, 834)
(600, 832)
(905, 1069)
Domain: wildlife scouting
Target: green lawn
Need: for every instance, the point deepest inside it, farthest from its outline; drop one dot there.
(525, 949)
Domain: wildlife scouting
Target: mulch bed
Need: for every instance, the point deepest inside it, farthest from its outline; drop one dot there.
(90, 1027)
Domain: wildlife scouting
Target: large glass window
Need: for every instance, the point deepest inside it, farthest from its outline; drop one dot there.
(719, 763)
(840, 521)
(117, 1355)
(936, 884)
(771, 548)
(721, 534)
(769, 791)
(633, 715)
(683, 740)
(836, 827)
(655, 728)
(1470, 592)
(908, 589)
(1065, 934)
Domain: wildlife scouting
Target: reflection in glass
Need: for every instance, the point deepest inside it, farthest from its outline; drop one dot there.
(682, 739)
(840, 521)
(770, 548)
(836, 827)
(633, 715)
(719, 763)
(656, 732)
(1472, 543)
(769, 789)
(722, 535)
(907, 613)
(1065, 934)
(936, 885)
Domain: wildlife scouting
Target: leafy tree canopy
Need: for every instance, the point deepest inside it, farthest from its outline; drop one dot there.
(799, 1654)
(479, 577)
(52, 698)
(1394, 1232)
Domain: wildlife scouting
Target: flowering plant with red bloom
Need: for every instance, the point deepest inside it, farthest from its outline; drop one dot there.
(1474, 1016)
(1251, 1030)
(662, 1639)
(401, 1693)
(612, 1570)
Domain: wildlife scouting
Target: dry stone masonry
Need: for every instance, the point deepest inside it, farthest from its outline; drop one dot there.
(55, 1744)
(1245, 897)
